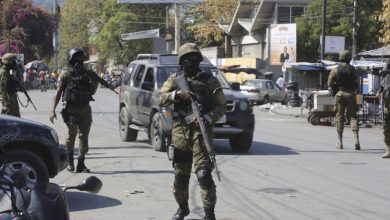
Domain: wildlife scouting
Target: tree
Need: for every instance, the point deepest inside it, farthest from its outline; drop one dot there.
(385, 18)
(339, 23)
(25, 28)
(208, 15)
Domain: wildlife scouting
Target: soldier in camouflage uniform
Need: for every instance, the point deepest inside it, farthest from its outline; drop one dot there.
(76, 89)
(8, 86)
(344, 79)
(385, 91)
(189, 146)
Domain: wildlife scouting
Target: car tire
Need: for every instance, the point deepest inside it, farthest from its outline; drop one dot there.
(26, 169)
(157, 134)
(241, 142)
(266, 100)
(126, 133)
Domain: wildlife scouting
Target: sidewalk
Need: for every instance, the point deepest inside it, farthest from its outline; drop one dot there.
(280, 109)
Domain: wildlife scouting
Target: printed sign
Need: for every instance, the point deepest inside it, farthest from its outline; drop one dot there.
(283, 43)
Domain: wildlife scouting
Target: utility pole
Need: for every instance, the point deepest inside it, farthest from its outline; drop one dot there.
(354, 28)
(56, 14)
(323, 29)
(177, 27)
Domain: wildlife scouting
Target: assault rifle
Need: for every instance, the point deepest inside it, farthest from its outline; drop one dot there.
(182, 84)
(96, 78)
(21, 87)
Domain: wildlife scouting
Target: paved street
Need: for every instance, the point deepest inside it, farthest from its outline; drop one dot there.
(292, 171)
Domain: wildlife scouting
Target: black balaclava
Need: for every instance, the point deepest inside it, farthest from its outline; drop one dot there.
(190, 64)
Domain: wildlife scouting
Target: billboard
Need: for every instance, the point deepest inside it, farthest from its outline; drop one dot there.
(334, 44)
(283, 43)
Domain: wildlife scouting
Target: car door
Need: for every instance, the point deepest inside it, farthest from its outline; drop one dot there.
(135, 95)
(146, 94)
(271, 91)
(279, 94)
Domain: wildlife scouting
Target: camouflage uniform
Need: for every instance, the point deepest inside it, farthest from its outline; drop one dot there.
(345, 77)
(385, 90)
(8, 87)
(188, 141)
(76, 87)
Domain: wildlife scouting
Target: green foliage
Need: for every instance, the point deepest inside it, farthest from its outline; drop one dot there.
(385, 18)
(339, 23)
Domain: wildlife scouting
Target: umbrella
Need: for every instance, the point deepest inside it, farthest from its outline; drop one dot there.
(37, 65)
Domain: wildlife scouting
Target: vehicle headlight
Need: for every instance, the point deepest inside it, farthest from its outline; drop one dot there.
(54, 135)
(243, 105)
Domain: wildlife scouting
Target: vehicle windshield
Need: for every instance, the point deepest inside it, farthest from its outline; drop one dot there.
(164, 72)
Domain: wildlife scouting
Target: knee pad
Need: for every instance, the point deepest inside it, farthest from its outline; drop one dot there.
(204, 178)
(181, 181)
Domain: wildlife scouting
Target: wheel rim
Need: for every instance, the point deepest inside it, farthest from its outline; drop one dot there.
(24, 176)
(123, 123)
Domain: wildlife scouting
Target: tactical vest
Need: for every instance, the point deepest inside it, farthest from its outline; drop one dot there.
(202, 95)
(12, 85)
(346, 78)
(78, 88)
(386, 87)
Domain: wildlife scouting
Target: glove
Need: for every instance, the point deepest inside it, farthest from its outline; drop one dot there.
(183, 95)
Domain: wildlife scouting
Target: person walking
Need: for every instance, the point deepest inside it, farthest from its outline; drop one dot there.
(280, 82)
(186, 138)
(76, 88)
(385, 92)
(9, 86)
(343, 81)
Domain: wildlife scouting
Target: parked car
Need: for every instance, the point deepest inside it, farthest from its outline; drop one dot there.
(235, 73)
(32, 151)
(140, 111)
(262, 91)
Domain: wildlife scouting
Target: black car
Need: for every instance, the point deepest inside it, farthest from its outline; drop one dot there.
(29, 151)
(140, 111)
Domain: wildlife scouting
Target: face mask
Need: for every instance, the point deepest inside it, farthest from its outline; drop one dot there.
(190, 65)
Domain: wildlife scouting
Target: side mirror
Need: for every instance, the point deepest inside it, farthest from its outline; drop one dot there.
(92, 184)
(147, 85)
(235, 86)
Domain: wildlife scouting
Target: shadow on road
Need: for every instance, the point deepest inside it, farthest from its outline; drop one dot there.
(79, 201)
(258, 148)
(133, 172)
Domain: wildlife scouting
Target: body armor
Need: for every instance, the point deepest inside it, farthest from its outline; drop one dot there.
(346, 78)
(202, 94)
(78, 88)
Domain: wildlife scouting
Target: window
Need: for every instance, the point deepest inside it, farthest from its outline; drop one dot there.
(288, 14)
(128, 73)
(269, 85)
(138, 75)
(296, 12)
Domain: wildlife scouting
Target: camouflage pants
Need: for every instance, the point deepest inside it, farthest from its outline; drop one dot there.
(188, 139)
(346, 102)
(81, 125)
(10, 105)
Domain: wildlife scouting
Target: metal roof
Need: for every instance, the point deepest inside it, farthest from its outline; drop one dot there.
(380, 52)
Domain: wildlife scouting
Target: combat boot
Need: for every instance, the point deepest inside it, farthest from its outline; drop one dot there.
(387, 153)
(356, 140)
(209, 214)
(339, 144)
(181, 212)
(70, 166)
(81, 168)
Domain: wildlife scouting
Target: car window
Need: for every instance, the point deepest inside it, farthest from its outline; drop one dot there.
(127, 74)
(138, 75)
(269, 85)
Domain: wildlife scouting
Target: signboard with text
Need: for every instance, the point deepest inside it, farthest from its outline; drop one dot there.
(283, 43)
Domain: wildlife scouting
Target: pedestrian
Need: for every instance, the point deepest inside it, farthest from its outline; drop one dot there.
(9, 86)
(343, 81)
(385, 92)
(76, 89)
(280, 82)
(186, 138)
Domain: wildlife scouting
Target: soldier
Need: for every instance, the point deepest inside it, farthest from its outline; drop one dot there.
(186, 138)
(76, 88)
(344, 79)
(8, 86)
(385, 91)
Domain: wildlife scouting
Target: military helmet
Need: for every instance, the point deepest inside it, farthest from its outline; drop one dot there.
(9, 58)
(345, 55)
(75, 52)
(187, 49)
